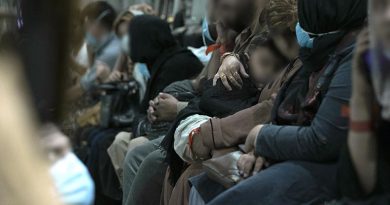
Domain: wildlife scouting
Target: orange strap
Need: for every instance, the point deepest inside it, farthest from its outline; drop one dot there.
(194, 132)
(356, 126)
(345, 111)
(212, 48)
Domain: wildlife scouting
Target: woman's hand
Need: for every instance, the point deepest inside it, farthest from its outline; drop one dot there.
(250, 142)
(249, 164)
(151, 110)
(115, 76)
(229, 72)
(102, 71)
(199, 149)
(166, 109)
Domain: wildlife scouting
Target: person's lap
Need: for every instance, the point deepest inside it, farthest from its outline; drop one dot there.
(284, 183)
(100, 167)
(132, 164)
(147, 185)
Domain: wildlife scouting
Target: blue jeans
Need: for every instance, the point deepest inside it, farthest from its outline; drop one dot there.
(284, 183)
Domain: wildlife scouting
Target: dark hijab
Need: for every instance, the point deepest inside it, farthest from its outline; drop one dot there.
(323, 16)
(152, 43)
(320, 17)
(149, 37)
(317, 17)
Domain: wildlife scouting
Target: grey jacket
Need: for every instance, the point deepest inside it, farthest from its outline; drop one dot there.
(322, 140)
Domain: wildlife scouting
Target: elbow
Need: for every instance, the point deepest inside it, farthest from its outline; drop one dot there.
(328, 148)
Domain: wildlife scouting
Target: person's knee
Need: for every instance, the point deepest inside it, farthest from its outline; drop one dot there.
(139, 141)
(122, 137)
(135, 157)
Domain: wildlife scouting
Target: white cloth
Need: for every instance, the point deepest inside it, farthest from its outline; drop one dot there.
(200, 53)
(182, 135)
(82, 56)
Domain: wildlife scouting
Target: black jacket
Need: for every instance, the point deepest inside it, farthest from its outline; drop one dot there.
(152, 43)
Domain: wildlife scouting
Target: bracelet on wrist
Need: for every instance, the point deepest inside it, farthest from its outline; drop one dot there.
(361, 126)
(228, 54)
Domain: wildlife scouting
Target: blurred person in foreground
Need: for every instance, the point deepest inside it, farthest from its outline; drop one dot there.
(365, 166)
(24, 175)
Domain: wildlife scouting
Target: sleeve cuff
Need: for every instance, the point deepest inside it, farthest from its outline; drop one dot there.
(262, 140)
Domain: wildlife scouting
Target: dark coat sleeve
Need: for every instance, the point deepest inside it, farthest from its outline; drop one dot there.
(323, 139)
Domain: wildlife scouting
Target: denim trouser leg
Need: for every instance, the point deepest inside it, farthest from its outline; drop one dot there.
(284, 183)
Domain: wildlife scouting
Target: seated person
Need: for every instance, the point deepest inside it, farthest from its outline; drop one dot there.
(141, 158)
(151, 43)
(265, 62)
(302, 145)
(364, 166)
(102, 45)
(223, 133)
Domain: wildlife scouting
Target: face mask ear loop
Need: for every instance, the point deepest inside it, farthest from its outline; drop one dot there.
(102, 15)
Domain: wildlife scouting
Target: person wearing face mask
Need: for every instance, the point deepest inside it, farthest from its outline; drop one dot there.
(103, 46)
(100, 50)
(365, 165)
(294, 159)
(124, 68)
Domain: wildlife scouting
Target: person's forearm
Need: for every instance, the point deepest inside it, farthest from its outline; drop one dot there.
(233, 130)
(214, 64)
(363, 144)
(283, 143)
(363, 150)
(121, 62)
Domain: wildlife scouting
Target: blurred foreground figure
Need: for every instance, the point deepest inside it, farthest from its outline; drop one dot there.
(365, 169)
(24, 176)
(71, 177)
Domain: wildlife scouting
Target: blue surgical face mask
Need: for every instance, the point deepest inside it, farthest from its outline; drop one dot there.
(206, 32)
(95, 43)
(91, 41)
(304, 39)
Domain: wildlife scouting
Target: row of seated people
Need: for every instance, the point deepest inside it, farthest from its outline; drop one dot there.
(265, 121)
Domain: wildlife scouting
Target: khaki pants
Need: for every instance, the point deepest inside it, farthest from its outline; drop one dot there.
(119, 148)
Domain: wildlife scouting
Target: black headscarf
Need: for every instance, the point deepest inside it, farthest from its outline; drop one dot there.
(323, 16)
(149, 37)
(152, 43)
(317, 17)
